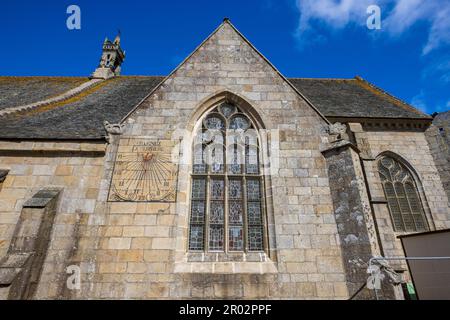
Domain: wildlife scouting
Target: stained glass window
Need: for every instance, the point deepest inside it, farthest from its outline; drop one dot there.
(196, 237)
(198, 189)
(227, 198)
(198, 210)
(214, 122)
(253, 192)
(255, 223)
(235, 189)
(227, 109)
(251, 156)
(402, 195)
(239, 123)
(235, 159)
(199, 160)
(236, 239)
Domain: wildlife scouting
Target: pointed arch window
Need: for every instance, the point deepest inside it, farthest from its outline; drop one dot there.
(227, 212)
(400, 189)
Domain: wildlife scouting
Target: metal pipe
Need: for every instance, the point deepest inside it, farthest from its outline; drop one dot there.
(408, 258)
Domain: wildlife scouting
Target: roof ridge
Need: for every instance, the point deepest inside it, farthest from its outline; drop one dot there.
(326, 79)
(397, 101)
(309, 102)
(172, 72)
(66, 77)
(141, 76)
(62, 98)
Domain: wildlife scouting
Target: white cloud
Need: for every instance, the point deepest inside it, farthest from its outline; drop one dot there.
(335, 14)
(398, 17)
(418, 101)
(439, 69)
(440, 30)
(405, 14)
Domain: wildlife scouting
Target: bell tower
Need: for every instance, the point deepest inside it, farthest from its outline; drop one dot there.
(111, 60)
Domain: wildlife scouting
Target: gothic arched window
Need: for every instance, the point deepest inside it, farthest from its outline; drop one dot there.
(227, 212)
(402, 195)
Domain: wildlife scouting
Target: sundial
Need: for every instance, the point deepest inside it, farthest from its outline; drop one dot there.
(144, 171)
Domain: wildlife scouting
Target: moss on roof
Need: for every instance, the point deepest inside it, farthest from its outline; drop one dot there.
(19, 91)
(82, 116)
(355, 98)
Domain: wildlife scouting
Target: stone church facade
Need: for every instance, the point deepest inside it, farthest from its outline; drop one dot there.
(224, 179)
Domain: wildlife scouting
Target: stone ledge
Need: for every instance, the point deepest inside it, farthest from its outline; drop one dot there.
(49, 147)
(378, 200)
(11, 266)
(42, 198)
(226, 267)
(338, 144)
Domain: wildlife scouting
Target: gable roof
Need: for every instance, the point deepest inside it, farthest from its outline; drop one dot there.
(227, 22)
(81, 116)
(354, 98)
(18, 91)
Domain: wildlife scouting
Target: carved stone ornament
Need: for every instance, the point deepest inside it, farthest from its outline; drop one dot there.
(339, 130)
(113, 129)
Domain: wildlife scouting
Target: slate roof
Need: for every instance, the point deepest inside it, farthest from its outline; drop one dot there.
(82, 116)
(354, 98)
(19, 91)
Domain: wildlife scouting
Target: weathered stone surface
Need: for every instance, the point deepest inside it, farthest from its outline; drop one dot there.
(354, 224)
(438, 138)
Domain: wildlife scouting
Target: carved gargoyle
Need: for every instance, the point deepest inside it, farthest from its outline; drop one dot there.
(339, 130)
(113, 129)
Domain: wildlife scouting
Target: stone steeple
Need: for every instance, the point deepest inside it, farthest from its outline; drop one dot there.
(111, 60)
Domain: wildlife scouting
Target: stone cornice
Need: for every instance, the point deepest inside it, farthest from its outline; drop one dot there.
(51, 147)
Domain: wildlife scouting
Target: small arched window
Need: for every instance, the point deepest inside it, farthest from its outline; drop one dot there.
(402, 195)
(227, 212)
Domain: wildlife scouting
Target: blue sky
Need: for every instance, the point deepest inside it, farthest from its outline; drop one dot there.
(409, 56)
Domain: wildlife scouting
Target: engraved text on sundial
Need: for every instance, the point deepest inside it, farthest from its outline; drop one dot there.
(144, 171)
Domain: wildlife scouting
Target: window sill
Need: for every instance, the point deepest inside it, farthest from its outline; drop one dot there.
(226, 263)
(226, 257)
(267, 267)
